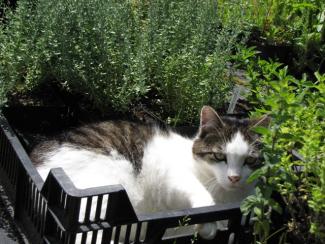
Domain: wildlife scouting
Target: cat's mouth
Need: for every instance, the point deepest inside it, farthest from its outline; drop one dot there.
(234, 186)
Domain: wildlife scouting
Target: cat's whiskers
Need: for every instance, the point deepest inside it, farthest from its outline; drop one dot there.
(209, 181)
(253, 143)
(213, 187)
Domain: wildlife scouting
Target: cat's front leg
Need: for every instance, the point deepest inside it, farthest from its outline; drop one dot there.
(195, 194)
(207, 230)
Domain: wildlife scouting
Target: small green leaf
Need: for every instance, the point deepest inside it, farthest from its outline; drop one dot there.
(275, 206)
(258, 212)
(261, 130)
(255, 175)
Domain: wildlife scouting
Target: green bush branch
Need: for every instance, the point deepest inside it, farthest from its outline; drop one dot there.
(297, 111)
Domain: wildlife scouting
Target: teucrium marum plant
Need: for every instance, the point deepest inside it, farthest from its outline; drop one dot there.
(119, 52)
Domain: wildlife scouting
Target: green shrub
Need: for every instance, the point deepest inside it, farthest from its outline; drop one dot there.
(296, 23)
(87, 46)
(297, 111)
(187, 53)
(281, 22)
(117, 53)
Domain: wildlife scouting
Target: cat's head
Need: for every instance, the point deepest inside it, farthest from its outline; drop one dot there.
(228, 147)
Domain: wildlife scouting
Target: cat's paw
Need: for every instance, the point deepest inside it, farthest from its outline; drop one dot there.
(222, 225)
(208, 230)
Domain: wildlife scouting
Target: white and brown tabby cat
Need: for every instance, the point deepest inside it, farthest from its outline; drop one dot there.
(160, 169)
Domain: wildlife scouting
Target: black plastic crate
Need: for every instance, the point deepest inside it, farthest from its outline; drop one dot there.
(48, 212)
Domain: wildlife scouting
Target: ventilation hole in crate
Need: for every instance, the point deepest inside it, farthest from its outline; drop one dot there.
(63, 199)
(104, 207)
(82, 210)
(29, 197)
(73, 238)
(141, 231)
(116, 234)
(38, 203)
(38, 209)
(126, 233)
(57, 231)
(113, 234)
(99, 237)
(60, 235)
(89, 236)
(107, 235)
(34, 198)
(119, 233)
(78, 238)
(83, 238)
(98, 207)
(94, 238)
(42, 210)
(88, 209)
(133, 232)
(66, 238)
(93, 208)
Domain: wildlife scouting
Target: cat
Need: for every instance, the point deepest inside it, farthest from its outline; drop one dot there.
(160, 169)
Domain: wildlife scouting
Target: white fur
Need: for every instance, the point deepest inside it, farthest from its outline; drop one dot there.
(171, 178)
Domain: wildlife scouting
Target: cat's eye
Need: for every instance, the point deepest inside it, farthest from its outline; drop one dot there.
(251, 160)
(219, 156)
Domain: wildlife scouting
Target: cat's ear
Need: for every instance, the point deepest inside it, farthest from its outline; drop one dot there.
(209, 117)
(263, 121)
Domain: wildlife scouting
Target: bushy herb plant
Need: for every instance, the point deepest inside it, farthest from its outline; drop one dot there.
(298, 123)
(168, 54)
(299, 24)
(86, 46)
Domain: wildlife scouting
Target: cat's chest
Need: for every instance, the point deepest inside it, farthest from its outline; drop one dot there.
(172, 153)
(222, 196)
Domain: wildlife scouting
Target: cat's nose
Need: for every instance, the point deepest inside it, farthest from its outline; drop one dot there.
(234, 178)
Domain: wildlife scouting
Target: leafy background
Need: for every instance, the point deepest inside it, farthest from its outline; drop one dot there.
(172, 57)
(170, 54)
